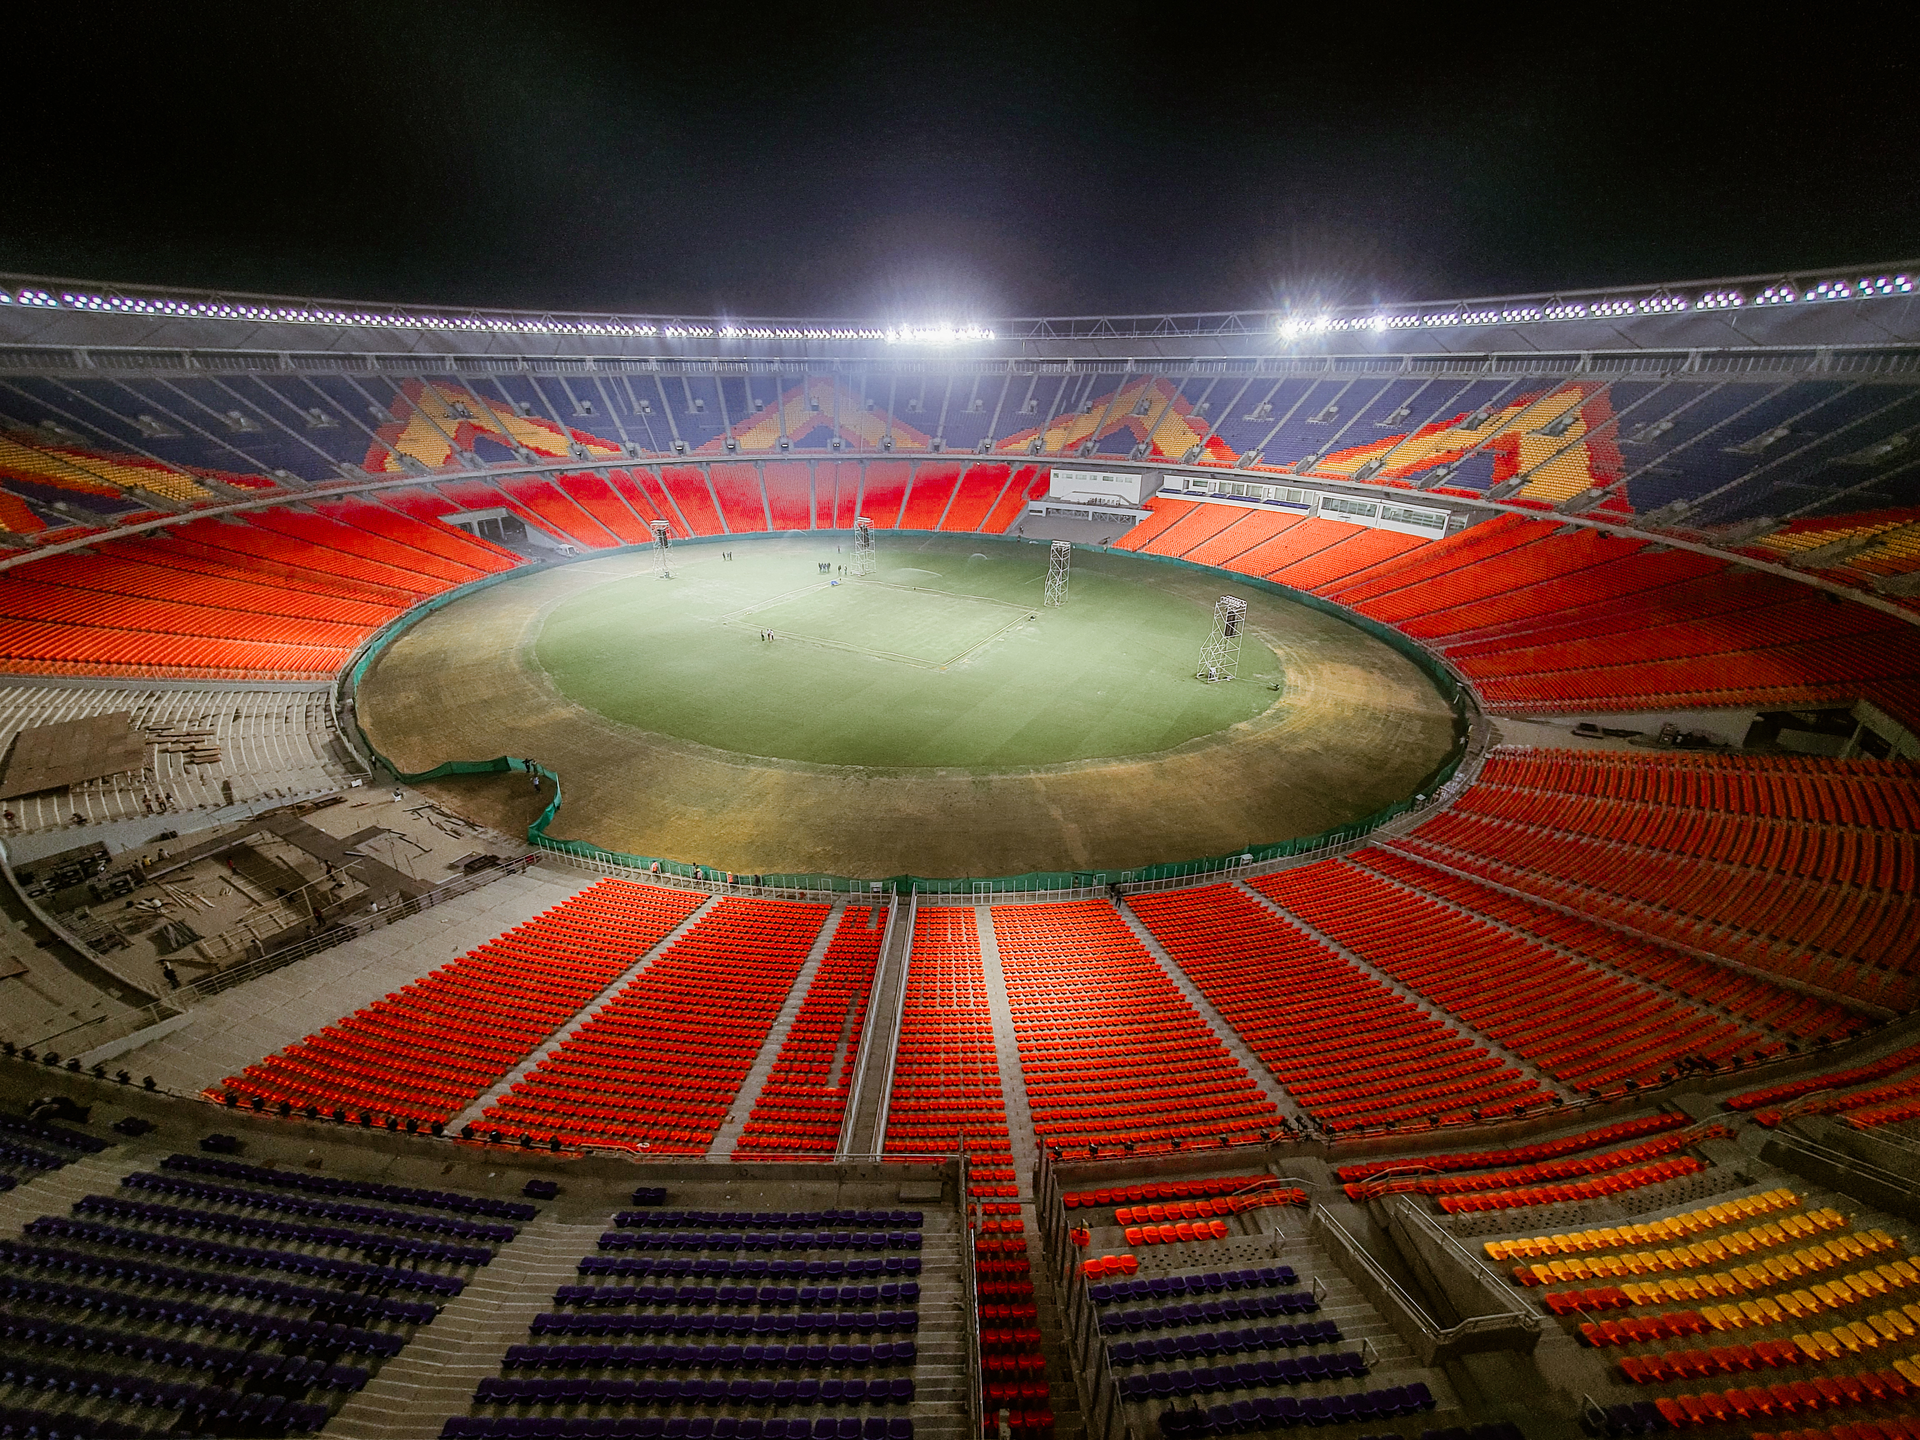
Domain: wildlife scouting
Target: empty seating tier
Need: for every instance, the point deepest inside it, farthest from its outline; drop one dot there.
(1111, 1051)
(658, 1065)
(1759, 859)
(423, 1054)
(1346, 1047)
(803, 1103)
(1546, 621)
(1588, 1028)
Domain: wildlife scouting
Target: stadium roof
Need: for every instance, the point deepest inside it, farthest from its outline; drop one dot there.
(1871, 308)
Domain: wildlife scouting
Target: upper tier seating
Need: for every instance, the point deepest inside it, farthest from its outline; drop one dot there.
(425, 1053)
(657, 1066)
(830, 1323)
(1111, 1051)
(1727, 451)
(1580, 622)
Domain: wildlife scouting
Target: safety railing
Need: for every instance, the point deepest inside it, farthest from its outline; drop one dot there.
(970, 1287)
(857, 1093)
(885, 1112)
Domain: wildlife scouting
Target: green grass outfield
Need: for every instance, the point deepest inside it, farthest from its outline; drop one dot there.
(944, 658)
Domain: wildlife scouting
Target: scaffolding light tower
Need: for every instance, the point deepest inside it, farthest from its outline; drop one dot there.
(1220, 658)
(1059, 562)
(662, 566)
(864, 562)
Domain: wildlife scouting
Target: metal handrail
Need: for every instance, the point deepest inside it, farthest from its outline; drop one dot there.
(856, 1095)
(1378, 1273)
(899, 1017)
(599, 865)
(1490, 1280)
(970, 1284)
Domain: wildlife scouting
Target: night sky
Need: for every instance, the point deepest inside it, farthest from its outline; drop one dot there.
(946, 162)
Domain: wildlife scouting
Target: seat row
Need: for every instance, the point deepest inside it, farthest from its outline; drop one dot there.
(1249, 1307)
(698, 1392)
(1774, 1096)
(1206, 1209)
(1212, 1379)
(815, 1270)
(207, 1405)
(1794, 1397)
(451, 1201)
(1874, 794)
(1833, 1293)
(605, 1296)
(282, 1330)
(222, 1282)
(293, 1373)
(766, 1219)
(1178, 1234)
(285, 1232)
(208, 1252)
(1162, 1287)
(675, 1427)
(803, 1322)
(1664, 1231)
(1193, 1344)
(1283, 1413)
(489, 1234)
(1171, 1190)
(1597, 1188)
(684, 1357)
(1542, 1152)
(1713, 1251)
(770, 1239)
(1570, 1169)
(1816, 1348)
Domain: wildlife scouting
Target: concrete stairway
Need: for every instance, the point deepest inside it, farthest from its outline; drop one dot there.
(940, 1379)
(866, 1125)
(54, 1192)
(435, 1375)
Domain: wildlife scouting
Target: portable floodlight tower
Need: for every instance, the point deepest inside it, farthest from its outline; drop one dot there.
(662, 567)
(1059, 562)
(863, 559)
(1220, 659)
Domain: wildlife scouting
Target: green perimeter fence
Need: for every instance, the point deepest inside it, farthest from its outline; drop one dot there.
(1443, 680)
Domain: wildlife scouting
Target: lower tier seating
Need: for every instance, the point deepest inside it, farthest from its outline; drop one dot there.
(658, 1066)
(1111, 1051)
(423, 1054)
(1588, 1028)
(803, 1103)
(1347, 1048)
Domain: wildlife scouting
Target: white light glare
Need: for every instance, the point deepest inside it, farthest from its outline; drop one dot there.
(941, 334)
